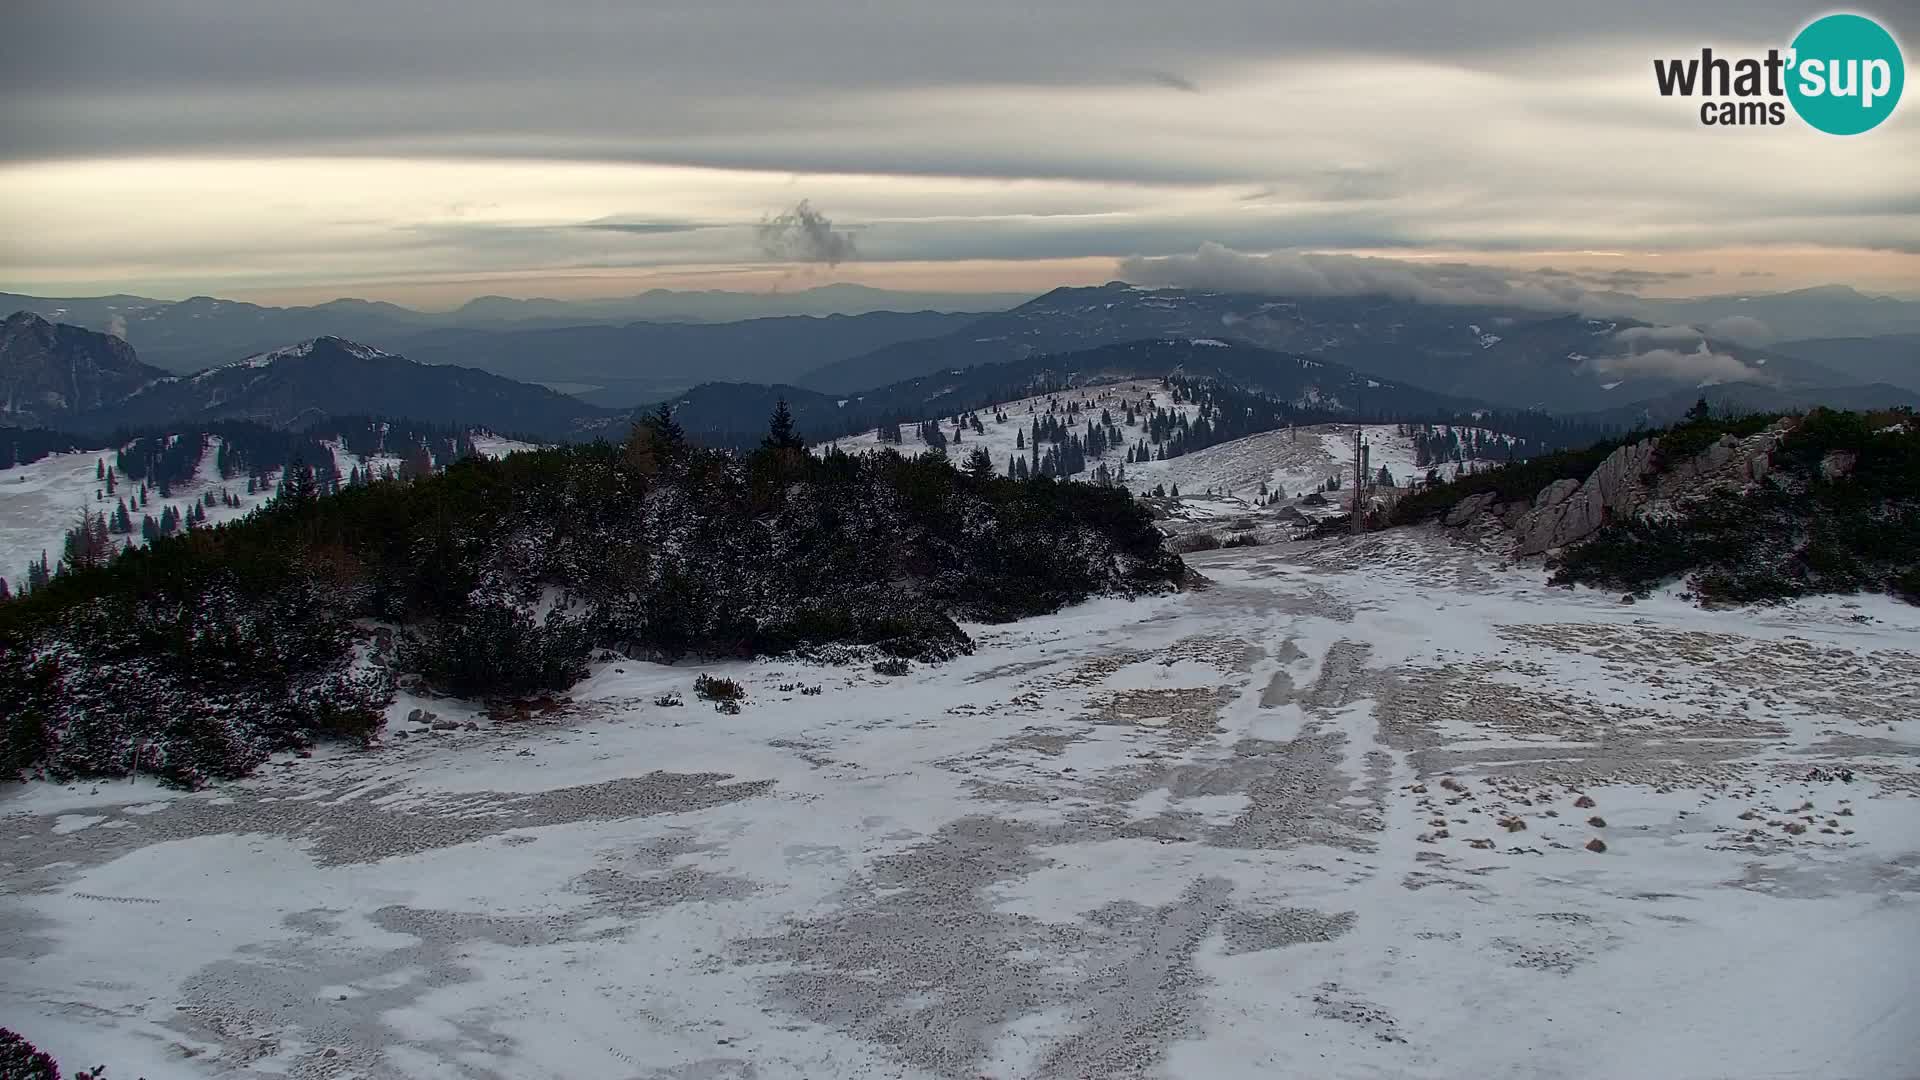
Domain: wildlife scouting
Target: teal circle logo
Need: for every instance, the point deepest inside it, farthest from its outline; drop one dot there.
(1846, 74)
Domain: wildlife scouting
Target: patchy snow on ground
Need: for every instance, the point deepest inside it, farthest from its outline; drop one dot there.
(40, 501)
(1329, 817)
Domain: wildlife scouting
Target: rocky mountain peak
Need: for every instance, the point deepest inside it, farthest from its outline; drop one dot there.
(50, 372)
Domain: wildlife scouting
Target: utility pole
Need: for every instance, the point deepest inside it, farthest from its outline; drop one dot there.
(1359, 481)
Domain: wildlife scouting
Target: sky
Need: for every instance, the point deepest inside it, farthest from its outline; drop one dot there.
(427, 151)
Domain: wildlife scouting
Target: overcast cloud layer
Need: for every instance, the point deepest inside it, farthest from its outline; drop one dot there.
(200, 145)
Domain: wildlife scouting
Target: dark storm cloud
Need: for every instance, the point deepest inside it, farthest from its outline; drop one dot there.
(127, 76)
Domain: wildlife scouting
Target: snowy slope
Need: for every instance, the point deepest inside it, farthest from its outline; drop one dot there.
(40, 501)
(1250, 831)
(1293, 461)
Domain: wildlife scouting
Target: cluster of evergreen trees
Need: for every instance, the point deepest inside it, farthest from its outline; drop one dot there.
(197, 655)
(24, 446)
(1435, 444)
(1062, 439)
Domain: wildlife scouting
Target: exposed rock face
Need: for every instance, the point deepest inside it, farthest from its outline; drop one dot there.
(1555, 493)
(50, 373)
(1468, 508)
(1568, 511)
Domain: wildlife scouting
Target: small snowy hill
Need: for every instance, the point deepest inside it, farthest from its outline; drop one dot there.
(1008, 439)
(1240, 472)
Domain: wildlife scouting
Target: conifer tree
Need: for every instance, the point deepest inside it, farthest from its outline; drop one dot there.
(88, 543)
(780, 433)
(297, 487)
(38, 574)
(667, 432)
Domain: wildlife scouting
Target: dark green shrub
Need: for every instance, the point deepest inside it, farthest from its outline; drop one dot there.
(497, 649)
(708, 688)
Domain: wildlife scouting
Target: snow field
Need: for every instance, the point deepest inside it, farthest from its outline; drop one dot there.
(1190, 835)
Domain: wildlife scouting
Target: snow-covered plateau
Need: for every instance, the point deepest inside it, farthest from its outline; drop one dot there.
(1375, 808)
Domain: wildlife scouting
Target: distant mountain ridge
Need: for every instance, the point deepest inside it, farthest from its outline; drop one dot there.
(1513, 357)
(719, 305)
(1741, 398)
(329, 376)
(637, 363)
(187, 335)
(627, 351)
(82, 381)
(735, 413)
(1887, 358)
(1817, 312)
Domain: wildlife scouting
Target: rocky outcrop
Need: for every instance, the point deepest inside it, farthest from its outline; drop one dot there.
(1468, 508)
(1570, 510)
(1625, 484)
(52, 372)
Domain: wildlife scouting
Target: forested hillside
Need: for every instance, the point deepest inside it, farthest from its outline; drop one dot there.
(200, 654)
